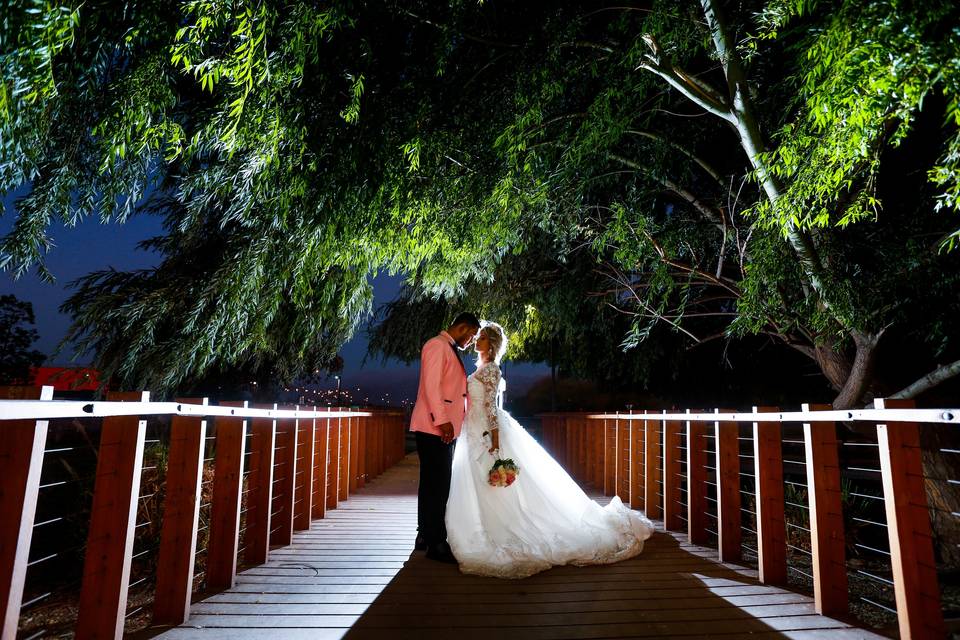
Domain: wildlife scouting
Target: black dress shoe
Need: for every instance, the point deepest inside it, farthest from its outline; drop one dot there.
(441, 554)
(420, 544)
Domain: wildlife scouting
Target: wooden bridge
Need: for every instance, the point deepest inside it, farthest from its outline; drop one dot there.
(317, 509)
(355, 575)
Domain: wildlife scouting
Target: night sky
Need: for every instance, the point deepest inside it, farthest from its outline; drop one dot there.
(91, 246)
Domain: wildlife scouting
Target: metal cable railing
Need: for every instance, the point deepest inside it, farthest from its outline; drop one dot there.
(141, 457)
(795, 483)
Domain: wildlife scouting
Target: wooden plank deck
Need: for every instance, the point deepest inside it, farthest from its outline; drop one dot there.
(355, 575)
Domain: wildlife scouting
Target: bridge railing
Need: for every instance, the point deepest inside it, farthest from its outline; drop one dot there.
(722, 475)
(236, 480)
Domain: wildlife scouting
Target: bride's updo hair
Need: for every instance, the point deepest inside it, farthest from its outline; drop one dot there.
(498, 340)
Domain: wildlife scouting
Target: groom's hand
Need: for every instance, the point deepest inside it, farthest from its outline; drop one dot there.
(446, 432)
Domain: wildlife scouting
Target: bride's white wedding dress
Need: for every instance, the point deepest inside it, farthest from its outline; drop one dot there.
(543, 519)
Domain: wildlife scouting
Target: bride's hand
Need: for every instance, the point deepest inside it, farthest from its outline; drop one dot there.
(494, 441)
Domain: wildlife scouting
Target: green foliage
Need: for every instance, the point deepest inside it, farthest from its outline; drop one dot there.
(285, 181)
(861, 77)
(33, 33)
(512, 158)
(547, 307)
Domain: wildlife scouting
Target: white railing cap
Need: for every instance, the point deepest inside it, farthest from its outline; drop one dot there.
(947, 416)
(52, 409)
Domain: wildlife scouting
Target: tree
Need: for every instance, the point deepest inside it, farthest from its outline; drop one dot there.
(295, 151)
(718, 233)
(280, 142)
(16, 337)
(862, 88)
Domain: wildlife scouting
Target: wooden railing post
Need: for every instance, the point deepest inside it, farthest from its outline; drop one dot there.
(358, 444)
(598, 433)
(583, 451)
(386, 443)
(281, 520)
(610, 457)
(21, 458)
(729, 533)
(826, 515)
(181, 513)
(696, 482)
(570, 446)
(303, 490)
(399, 431)
(227, 495)
(768, 477)
(113, 517)
(382, 457)
(622, 460)
(672, 439)
(400, 435)
(333, 461)
(383, 444)
(370, 449)
(376, 450)
(263, 435)
(651, 460)
(385, 457)
(636, 465)
(320, 474)
(587, 441)
(908, 526)
(347, 429)
(596, 439)
(376, 426)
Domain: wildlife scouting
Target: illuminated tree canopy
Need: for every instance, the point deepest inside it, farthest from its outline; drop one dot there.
(712, 170)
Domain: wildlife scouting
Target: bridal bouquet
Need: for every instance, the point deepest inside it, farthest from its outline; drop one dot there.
(503, 473)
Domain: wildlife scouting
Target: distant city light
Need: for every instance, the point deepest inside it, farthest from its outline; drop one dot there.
(312, 394)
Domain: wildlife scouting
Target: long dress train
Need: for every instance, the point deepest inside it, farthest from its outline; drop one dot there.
(543, 519)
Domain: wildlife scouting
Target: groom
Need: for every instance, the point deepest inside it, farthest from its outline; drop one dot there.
(436, 422)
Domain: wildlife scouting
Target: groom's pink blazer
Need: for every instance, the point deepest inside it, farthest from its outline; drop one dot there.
(442, 396)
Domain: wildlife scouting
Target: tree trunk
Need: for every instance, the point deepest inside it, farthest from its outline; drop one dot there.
(849, 378)
(834, 365)
(861, 371)
(751, 140)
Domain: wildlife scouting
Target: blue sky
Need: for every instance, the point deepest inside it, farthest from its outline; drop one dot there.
(91, 246)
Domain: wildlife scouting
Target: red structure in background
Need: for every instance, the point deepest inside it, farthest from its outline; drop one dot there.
(66, 378)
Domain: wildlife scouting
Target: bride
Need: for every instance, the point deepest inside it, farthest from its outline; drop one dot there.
(541, 520)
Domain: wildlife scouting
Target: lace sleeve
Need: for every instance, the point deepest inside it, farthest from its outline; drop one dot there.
(490, 379)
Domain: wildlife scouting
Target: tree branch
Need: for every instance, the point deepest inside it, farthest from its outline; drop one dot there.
(706, 166)
(619, 277)
(586, 44)
(736, 110)
(927, 382)
(699, 92)
(714, 216)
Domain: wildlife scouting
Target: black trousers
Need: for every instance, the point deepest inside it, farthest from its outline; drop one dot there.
(436, 463)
